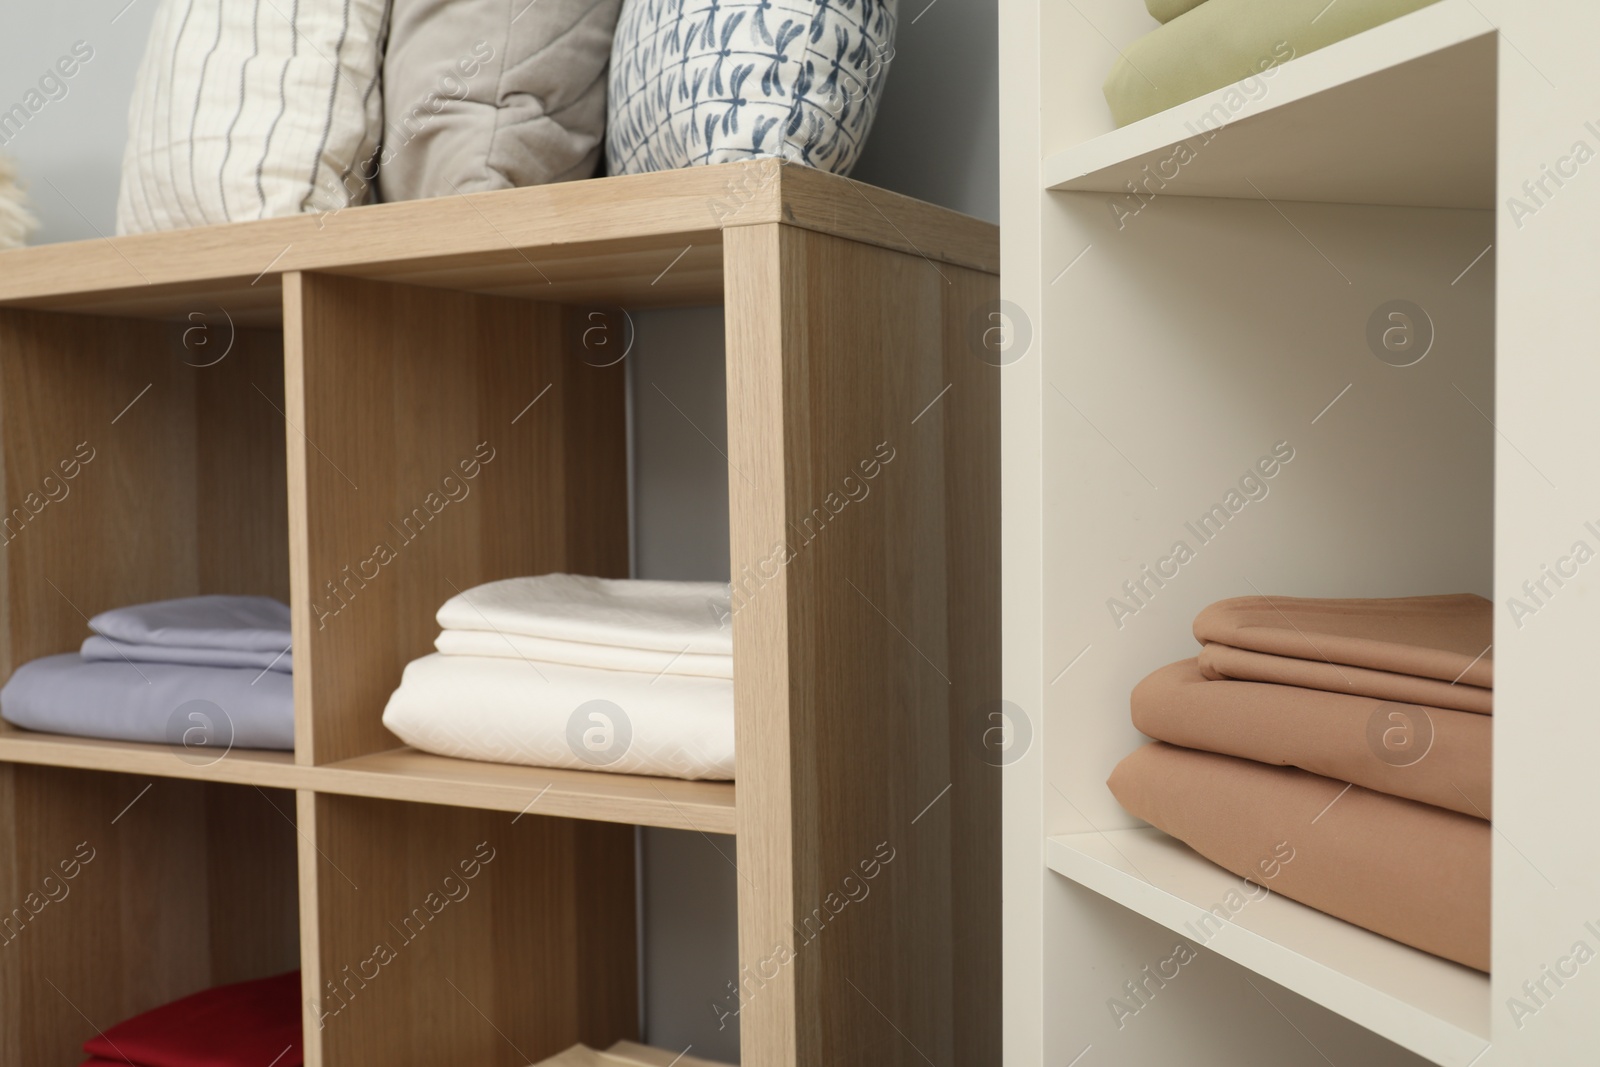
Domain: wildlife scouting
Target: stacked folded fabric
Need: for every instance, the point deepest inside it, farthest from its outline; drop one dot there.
(1354, 732)
(207, 670)
(623, 1054)
(1209, 44)
(249, 1024)
(634, 677)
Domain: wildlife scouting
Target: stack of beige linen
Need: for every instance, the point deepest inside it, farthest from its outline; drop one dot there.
(1357, 732)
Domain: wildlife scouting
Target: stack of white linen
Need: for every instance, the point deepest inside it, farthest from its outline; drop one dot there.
(561, 670)
(209, 671)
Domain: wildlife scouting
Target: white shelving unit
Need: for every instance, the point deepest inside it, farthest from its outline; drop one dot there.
(1416, 1000)
(1161, 343)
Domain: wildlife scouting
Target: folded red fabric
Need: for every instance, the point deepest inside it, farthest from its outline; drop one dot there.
(248, 1024)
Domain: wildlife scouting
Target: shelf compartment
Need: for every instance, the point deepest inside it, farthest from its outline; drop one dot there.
(1431, 1006)
(1401, 114)
(142, 461)
(493, 450)
(407, 774)
(444, 935)
(169, 887)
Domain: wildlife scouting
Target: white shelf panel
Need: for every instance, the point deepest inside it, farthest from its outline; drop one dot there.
(1402, 114)
(1435, 1008)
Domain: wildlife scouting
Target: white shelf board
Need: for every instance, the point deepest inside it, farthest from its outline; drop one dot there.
(1435, 1008)
(1401, 114)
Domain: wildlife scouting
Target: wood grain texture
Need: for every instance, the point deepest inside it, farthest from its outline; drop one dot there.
(607, 240)
(436, 441)
(158, 907)
(408, 774)
(124, 529)
(445, 935)
(177, 471)
(242, 495)
(865, 653)
(261, 767)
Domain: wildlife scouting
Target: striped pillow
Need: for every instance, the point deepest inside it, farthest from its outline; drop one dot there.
(247, 109)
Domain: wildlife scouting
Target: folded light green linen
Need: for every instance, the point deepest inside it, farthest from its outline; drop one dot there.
(1220, 42)
(1167, 10)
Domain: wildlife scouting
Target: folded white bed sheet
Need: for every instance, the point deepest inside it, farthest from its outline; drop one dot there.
(231, 623)
(212, 707)
(104, 649)
(505, 645)
(555, 715)
(673, 617)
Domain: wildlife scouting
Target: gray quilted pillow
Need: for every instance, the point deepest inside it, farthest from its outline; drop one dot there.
(492, 94)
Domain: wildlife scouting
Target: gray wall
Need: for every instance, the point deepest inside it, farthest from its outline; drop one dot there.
(70, 152)
(936, 137)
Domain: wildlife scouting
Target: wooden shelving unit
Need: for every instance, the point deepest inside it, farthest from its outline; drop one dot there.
(1176, 330)
(266, 400)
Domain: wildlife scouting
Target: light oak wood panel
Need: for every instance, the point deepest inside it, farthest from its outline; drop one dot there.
(828, 203)
(970, 426)
(594, 240)
(124, 529)
(242, 501)
(396, 394)
(244, 766)
(863, 447)
(443, 935)
(178, 480)
(162, 902)
(407, 774)
(253, 886)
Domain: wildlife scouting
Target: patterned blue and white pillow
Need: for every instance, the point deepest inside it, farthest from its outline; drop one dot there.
(716, 81)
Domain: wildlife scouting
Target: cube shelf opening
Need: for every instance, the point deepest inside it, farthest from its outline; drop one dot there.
(124, 893)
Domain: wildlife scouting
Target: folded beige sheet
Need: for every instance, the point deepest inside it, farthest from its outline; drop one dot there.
(1241, 664)
(1447, 638)
(1434, 755)
(1410, 871)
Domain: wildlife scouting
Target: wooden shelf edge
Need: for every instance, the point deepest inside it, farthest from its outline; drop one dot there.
(409, 775)
(589, 219)
(1104, 163)
(843, 207)
(1452, 1030)
(238, 766)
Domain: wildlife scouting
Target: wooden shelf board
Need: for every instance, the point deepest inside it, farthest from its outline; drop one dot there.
(1402, 114)
(407, 774)
(1435, 1008)
(240, 766)
(602, 240)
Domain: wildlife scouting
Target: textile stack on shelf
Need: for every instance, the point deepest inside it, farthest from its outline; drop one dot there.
(561, 670)
(1297, 752)
(246, 1024)
(196, 671)
(1208, 44)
